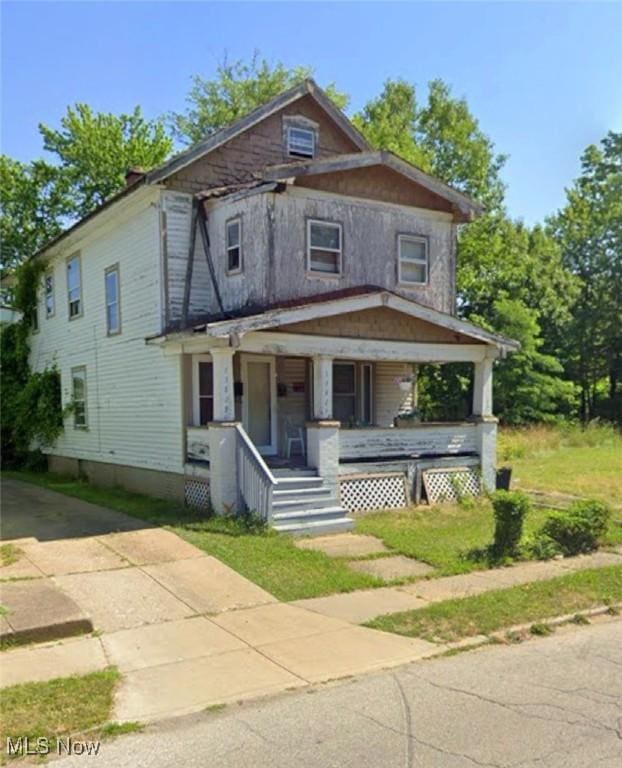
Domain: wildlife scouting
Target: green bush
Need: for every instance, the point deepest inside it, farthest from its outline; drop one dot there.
(579, 528)
(541, 547)
(510, 508)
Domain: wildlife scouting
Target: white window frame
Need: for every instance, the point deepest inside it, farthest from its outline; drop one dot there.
(113, 270)
(425, 262)
(338, 251)
(49, 299)
(75, 257)
(292, 151)
(196, 394)
(237, 220)
(79, 369)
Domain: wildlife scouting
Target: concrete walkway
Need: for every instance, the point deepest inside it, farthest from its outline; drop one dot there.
(363, 605)
(186, 631)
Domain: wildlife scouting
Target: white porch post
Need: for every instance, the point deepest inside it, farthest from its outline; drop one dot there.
(322, 387)
(224, 491)
(224, 403)
(487, 423)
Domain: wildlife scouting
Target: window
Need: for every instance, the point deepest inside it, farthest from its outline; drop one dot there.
(344, 392)
(78, 383)
(412, 259)
(74, 287)
(300, 142)
(234, 245)
(113, 311)
(324, 247)
(48, 284)
(203, 390)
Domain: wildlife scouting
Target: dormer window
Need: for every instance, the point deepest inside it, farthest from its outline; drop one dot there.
(300, 142)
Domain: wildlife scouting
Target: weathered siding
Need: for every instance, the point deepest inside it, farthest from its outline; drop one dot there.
(175, 222)
(378, 323)
(389, 399)
(432, 439)
(133, 390)
(241, 158)
(370, 232)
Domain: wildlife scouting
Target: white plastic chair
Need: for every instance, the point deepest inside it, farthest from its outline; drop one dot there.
(294, 435)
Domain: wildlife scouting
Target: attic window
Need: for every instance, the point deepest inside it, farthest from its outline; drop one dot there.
(300, 142)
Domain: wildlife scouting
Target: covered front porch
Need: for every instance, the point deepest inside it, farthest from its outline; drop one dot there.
(269, 391)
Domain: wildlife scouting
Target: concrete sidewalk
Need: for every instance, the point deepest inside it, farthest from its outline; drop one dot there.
(363, 605)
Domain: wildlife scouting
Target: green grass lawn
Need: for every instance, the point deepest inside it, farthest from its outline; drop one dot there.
(452, 620)
(271, 561)
(566, 460)
(78, 706)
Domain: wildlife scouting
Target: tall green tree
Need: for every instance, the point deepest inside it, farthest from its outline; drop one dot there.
(237, 89)
(589, 232)
(95, 149)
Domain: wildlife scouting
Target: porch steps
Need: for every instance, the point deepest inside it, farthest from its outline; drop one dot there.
(302, 505)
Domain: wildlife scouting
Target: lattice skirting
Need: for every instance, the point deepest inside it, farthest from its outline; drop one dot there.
(451, 483)
(196, 493)
(369, 492)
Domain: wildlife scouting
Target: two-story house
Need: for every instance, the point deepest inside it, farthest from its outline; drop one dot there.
(241, 324)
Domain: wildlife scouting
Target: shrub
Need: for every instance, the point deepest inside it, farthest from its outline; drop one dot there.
(510, 508)
(579, 528)
(541, 547)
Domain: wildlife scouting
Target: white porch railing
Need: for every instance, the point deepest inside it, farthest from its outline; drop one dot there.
(423, 439)
(255, 480)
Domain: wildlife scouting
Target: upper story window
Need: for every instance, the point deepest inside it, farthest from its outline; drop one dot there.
(113, 307)
(48, 285)
(412, 264)
(324, 247)
(74, 286)
(300, 141)
(234, 245)
(78, 386)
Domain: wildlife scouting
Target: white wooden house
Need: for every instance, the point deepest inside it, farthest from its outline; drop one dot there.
(241, 324)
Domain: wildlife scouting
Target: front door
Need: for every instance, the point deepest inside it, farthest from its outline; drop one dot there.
(259, 401)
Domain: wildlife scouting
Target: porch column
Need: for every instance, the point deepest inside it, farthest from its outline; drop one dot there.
(482, 388)
(224, 493)
(323, 387)
(486, 422)
(224, 401)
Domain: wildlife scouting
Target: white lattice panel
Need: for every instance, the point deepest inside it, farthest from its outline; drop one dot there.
(196, 493)
(373, 492)
(450, 484)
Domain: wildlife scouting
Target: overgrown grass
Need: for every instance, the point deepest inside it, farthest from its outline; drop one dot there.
(452, 620)
(566, 459)
(442, 536)
(78, 706)
(9, 554)
(263, 556)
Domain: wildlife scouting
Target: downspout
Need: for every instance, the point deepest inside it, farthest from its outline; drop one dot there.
(202, 218)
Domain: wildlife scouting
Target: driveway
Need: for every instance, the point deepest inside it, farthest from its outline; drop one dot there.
(185, 630)
(553, 702)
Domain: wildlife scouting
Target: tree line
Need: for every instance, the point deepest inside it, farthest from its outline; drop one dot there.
(556, 287)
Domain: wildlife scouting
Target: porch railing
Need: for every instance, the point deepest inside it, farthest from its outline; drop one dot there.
(255, 480)
(444, 439)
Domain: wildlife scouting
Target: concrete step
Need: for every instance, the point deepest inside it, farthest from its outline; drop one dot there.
(315, 527)
(316, 501)
(288, 472)
(298, 483)
(300, 494)
(309, 515)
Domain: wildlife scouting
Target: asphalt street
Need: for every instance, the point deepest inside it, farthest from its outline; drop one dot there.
(554, 701)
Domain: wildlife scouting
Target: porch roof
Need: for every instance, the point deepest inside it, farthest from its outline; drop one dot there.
(331, 304)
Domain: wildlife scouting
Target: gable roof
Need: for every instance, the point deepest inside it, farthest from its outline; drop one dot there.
(307, 87)
(336, 303)
(343, 163)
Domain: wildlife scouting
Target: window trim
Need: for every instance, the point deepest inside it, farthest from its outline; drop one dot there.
(49, 275)
(196, 397)
(235, 220)
(339, 252)
(113, 269)
(68, 260)
(412, 238)
(305, 129)
(74, 370)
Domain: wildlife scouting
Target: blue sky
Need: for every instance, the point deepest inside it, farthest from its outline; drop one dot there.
(544, 79)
